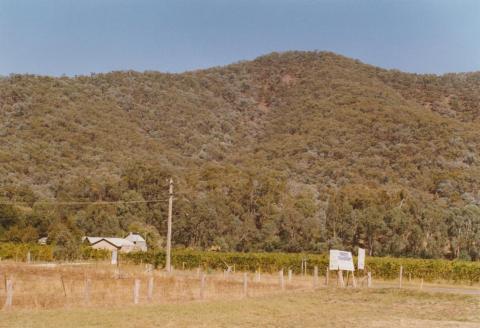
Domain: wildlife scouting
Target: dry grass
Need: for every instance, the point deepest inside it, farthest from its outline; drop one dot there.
(41, 299)
(49, 287)
(322, 308)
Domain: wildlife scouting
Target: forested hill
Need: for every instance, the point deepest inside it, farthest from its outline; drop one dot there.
(292, 151)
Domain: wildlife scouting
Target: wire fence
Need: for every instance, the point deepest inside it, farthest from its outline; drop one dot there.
(48, 285)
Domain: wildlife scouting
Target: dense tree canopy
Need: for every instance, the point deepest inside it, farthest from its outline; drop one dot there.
(293, 151)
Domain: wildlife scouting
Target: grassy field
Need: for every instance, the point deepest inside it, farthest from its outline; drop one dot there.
(322, 308)
(49, 295)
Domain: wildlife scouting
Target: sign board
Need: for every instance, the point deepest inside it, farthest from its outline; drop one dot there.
(361, 259)
(114, 257)
(340, 260)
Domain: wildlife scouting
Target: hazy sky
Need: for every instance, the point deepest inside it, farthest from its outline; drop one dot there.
(83, 36)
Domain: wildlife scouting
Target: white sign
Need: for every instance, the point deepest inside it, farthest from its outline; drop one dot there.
(340, 260)
(361, 259)
(114, 257)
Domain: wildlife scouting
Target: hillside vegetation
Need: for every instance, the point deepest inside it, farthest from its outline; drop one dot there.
(298, 151)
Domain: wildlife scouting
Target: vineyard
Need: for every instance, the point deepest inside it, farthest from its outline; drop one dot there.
(380, 267)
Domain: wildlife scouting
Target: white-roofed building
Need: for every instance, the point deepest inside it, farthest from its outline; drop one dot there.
(138, 241)
(43, 241)
(111, 243)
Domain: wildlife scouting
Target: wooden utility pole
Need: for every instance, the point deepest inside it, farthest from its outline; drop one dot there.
(168, 265)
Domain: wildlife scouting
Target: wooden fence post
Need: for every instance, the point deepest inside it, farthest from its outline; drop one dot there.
(150, 289)
(63, 286)
(421, 284)
(340, 281)
(245, 285)
(86, 291)
(327, 276)
(149, 268)
(369, 279)
(354, 281)
(289, 275)
(401, 277)
(29, 257)
(315, 277)
(136, 291)
(258, 276)
(282, 282)
(114, 258)
(9, 292)
(202, 286)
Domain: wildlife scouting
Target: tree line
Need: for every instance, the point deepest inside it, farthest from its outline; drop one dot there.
(226, 208)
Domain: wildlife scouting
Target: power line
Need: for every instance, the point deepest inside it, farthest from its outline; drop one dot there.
(88, 202)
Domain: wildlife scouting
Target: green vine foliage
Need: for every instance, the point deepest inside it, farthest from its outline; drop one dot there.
(381, 267)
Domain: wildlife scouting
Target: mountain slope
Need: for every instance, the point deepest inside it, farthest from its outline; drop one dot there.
(293, 151)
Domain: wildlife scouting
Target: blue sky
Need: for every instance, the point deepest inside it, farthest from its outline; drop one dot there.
(55, 37)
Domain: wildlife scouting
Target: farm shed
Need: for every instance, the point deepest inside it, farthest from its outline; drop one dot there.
(42, 241)
(111, 243)
(138, 241)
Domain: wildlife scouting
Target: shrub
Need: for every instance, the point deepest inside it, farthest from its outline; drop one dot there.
(19, 252)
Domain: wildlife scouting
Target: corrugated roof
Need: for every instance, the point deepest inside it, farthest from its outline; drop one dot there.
(118, 242)
(134, 237)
